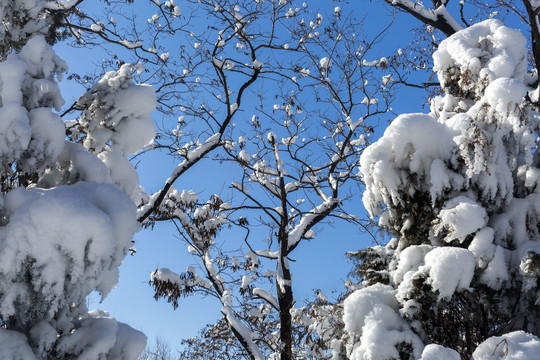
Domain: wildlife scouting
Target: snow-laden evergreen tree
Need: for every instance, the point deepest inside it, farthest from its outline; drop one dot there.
(459, 190)
(67, 208)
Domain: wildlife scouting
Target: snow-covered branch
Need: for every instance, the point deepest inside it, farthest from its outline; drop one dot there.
(438, 17)
(243, 333)
(191, 158)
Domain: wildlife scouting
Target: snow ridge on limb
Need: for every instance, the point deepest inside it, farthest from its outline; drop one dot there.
(309, 220)
(437, 17)
(166, 275)
(269, 298)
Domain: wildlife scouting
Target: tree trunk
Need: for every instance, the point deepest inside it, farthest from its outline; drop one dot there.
(285, 299)
(285, 296)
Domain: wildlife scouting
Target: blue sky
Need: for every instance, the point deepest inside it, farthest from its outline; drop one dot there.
(321, 263)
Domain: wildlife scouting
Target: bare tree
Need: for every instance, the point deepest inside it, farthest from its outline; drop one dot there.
(297, 158)
(160, 350)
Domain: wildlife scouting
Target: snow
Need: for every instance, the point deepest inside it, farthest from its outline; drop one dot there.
(81, 164)
(96, 28)
(460, 216)
(296, 234)
(118, 112)
(459, 189)
(189, 198)
(437, 352)
(240, 187)
(482, 246)
(131, 44)
(325, 63)
(438, 151)
(246, 280)
(102, 337)
(371, 314)
(496, 273)
(50, 143)
(253, 259)
(30, 132)
(450, 269)
(64, 4)
(358, 305)
(465, 155)
(244, 331)
(447, 269)
(289, 140)
(504, 92)
(410, 259)
(123, 174)
(167, 275)
(78, 256)
(411, 142)
(468, 51)
(257, 64)
(266, 296)
(441, 178)
(217, 63)
(191, 158)
(244, 156)
(84, 251)
(15, 346)
(517, 345)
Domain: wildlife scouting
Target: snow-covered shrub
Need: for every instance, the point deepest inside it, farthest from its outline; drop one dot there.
(67, 215)
(458, 188)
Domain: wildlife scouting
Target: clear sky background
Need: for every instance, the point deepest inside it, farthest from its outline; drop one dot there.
(321, 263)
